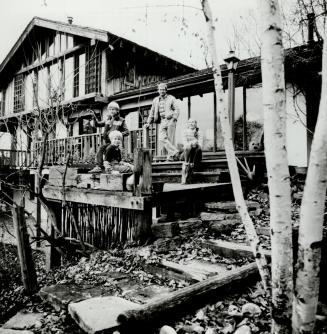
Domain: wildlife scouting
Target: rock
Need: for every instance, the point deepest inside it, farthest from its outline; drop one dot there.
(13, 331)
(167, 330)
(99, 314)
(251, 310)
(24, 321)
(243, 330)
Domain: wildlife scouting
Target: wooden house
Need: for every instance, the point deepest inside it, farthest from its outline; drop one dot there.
(76, 71)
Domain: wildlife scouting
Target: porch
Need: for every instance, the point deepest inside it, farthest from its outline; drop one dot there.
(14, 158)
(83, 149)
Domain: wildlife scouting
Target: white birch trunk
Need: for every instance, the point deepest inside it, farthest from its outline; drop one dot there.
(230, 153)
(311, 221)
(274, 110)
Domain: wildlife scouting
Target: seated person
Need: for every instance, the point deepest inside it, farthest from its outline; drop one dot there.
(192, 140)
(113, 158)
(113, 123)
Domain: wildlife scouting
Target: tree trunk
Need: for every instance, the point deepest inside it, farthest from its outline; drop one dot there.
(274, 110)
(311, 221)
(230, 153)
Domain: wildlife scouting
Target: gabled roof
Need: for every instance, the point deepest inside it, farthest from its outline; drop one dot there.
(82, 31)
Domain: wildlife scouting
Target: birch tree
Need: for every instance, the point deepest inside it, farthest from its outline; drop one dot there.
(274, 111)
(230, 152)
(311, 220)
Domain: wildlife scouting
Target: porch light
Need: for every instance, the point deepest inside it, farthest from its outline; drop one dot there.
(231, 61)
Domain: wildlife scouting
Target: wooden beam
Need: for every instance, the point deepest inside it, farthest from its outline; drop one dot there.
(96, 197)
(231, 249)
(183, 301)
(72, 29)
(52, 59)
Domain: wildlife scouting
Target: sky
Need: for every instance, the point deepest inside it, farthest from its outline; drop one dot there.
(172, 27)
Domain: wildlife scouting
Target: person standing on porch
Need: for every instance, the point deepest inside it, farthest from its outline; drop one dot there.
(113, 123)
(165, 111)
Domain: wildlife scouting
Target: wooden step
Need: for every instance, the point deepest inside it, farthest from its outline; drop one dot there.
(176, 177)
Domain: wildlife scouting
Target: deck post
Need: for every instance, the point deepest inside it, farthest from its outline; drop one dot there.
(146, 138)
(24, 251)
(53, 257)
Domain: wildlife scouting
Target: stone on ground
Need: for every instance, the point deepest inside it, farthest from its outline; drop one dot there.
(96, 315)
(23, 321)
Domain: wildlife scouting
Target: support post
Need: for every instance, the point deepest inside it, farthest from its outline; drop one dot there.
(146, 186)
(24, 252)
(245, 139)
(53, 257)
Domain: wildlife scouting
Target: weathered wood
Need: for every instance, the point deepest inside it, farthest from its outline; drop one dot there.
(124, 200)
(24, 251)
(52, 254)
(223, 226)
(56, 174)
(230, 249)
(165, 230)
(112, 182)
(180, 302)
(230, 206)
(189, 226)
(146, 185)
(215, 216)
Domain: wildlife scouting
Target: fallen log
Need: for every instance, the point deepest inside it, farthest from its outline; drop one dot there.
(183, 301)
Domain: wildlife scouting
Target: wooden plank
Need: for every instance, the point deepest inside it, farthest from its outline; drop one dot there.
(111, 181)
(183, 301)
(96, 197)
(231, 249)
(56, 174)
(91, 33)
(146, 186)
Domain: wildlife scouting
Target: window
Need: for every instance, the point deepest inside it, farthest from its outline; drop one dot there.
(76, 76)
(92, 70)
(144, 113)
(19, 93)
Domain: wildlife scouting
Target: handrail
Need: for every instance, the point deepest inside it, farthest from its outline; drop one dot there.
(14, 158)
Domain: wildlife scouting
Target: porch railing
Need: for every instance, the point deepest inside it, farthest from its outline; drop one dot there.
(14, 158)
(82, 149)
